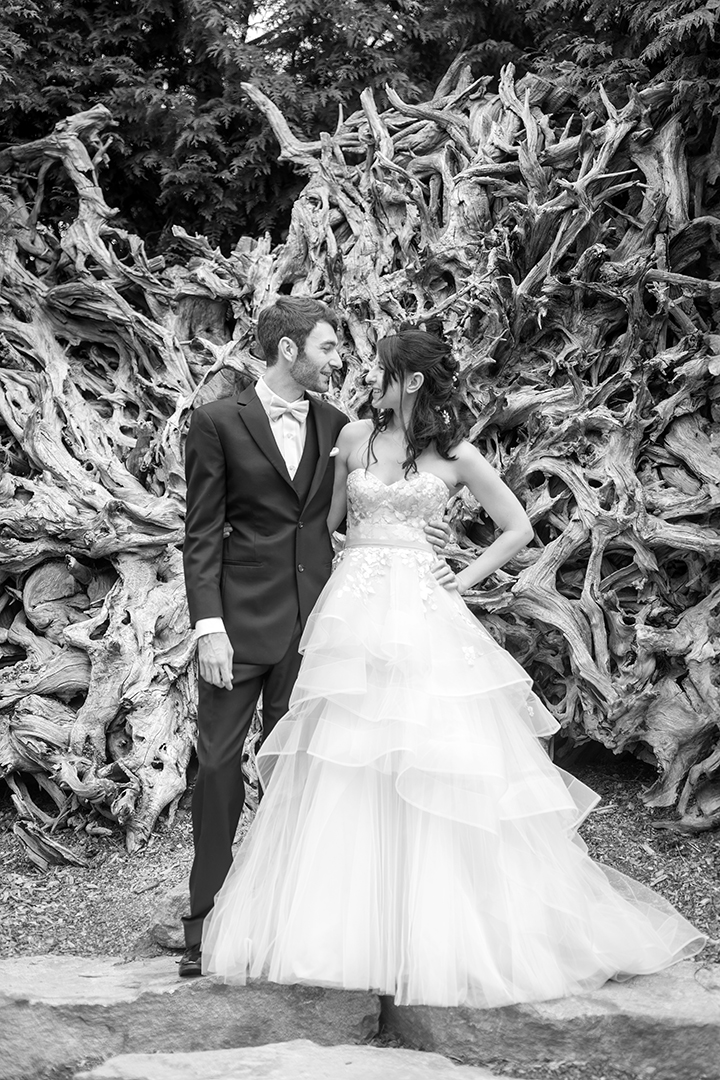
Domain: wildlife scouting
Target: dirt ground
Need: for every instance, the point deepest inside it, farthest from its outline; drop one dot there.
(106, 907)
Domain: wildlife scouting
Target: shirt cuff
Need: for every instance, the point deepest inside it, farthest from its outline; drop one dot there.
(209, 626)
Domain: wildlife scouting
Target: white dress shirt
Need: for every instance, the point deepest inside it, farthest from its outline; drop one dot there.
(289, 434)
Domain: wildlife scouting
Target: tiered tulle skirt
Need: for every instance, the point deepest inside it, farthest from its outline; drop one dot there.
(414, 838)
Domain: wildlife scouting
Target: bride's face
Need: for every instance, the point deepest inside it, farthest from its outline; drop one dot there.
(387, 393)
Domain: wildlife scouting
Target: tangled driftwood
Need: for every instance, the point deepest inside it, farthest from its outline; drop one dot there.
(573, 258)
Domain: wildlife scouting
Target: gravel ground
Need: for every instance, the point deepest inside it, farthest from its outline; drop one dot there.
(106, 907)
(101, 909)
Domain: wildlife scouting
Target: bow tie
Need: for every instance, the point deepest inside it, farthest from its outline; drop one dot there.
(297, 409)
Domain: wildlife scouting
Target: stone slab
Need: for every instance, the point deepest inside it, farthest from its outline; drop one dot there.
(64, 1011)
(666, 1026)
(297, 1060)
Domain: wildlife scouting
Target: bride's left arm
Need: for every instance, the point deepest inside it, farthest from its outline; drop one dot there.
(504, 508)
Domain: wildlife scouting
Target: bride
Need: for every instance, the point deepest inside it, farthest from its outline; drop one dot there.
(414, 838)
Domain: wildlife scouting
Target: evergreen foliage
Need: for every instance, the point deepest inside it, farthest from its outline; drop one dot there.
(622, 43)
(189, 147)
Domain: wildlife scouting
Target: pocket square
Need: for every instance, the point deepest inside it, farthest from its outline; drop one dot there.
(335, 450)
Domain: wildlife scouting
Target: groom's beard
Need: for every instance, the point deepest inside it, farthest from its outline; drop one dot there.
(310, 375)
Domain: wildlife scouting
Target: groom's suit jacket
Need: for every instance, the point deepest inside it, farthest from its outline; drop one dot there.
(272, 566)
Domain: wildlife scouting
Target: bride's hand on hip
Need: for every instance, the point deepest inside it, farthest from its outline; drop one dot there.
(449, 580)
(438, 533)
(215, 660)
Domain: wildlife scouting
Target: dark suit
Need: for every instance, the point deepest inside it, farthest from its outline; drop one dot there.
(262, 580)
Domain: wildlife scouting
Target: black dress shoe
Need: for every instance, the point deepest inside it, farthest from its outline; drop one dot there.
(190, 963)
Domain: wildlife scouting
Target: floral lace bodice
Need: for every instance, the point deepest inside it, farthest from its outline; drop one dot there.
(393, 513)
(386, 534)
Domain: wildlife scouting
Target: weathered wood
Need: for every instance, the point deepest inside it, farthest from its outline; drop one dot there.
(573, 259)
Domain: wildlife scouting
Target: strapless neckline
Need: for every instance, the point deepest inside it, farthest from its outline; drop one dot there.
(403, 479)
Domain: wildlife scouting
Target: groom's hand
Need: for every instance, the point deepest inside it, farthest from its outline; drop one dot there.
(438, 533)
(215, 660)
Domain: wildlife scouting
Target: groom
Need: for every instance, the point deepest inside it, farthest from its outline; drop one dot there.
(263, 465)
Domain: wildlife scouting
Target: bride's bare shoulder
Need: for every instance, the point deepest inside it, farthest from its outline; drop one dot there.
(469, 464)
(466, 453)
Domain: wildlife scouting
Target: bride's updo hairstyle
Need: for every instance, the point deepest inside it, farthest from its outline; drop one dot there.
(439, 416)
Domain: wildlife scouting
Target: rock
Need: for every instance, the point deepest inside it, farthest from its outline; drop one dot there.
(666, 1026)
(297, 1060)
(63, 1011)
(166, 928)
(144, 947)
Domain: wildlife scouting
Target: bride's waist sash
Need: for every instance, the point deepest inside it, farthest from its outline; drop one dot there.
(388, 541)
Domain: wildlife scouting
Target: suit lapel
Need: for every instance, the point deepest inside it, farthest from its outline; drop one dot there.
(255, 419)
(322, 427)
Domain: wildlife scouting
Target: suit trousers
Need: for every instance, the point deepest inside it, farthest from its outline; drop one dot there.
(224, 718)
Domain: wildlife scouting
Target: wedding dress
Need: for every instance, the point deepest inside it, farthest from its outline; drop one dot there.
(414, 838)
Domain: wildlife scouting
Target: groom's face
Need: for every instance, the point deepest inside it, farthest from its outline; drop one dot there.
(315, 362)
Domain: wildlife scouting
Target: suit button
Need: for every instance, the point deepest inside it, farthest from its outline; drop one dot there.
(301, 524)
(300, 567)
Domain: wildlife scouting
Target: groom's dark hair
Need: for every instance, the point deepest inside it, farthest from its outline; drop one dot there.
(290, 316)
